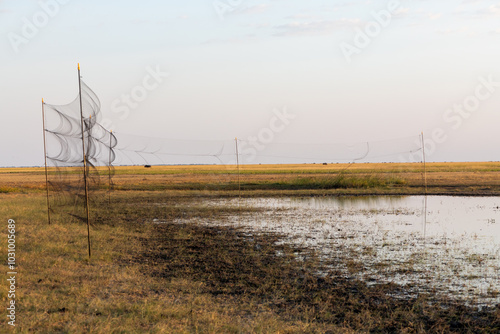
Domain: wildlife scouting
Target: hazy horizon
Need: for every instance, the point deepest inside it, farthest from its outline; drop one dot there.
(277, 71)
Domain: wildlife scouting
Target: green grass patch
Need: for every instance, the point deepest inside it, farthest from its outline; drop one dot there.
(6, 190)
(335, 182)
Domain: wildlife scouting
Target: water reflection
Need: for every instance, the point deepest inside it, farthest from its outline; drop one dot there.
(444, 216)
(352, 202)
(451, 245)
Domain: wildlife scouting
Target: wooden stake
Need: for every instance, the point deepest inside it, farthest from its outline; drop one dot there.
(45, 157)
(84, 162)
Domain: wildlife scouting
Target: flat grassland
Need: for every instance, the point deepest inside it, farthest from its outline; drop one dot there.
(176, 277)
(473, 178)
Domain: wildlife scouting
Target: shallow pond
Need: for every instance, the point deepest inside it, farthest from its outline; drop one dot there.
(437, 244)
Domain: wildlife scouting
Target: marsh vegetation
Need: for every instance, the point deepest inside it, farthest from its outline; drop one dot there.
(197, 260)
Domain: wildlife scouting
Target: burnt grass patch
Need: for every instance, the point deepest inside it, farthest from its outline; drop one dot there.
(259, 273)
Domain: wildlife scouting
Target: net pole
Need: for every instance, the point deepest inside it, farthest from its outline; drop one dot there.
(423, 159)
(84, 162)
(425, 185)
(238, 166)
(45, 158)
(109, 164)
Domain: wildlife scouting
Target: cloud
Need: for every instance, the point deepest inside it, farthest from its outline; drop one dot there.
(301, 16)
(315, 27)
(471, 1)
(434, 16)
(401, 12)
(232, 40)
(257, 9)
(492, 11)
(256, 25)
(347, 4)
(139, 21)
(454, 31)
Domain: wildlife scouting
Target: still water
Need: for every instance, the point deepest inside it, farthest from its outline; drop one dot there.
(442, 245)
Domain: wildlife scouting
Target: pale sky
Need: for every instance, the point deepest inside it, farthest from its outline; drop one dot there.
(348, 71)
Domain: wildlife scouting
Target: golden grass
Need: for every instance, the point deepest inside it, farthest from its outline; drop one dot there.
(175, 278)
(481, 178)
(284, 168)
(61, 291)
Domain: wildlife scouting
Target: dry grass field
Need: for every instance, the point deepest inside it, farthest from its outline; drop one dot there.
(183, 278)
(476, 178)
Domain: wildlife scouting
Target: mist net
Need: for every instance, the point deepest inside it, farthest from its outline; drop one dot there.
(139, 150)
(65, 147)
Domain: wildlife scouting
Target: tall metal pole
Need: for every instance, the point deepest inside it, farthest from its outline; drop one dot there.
(84, 162)
(425, 184)
(238, 166)
(425, 169)
(45, 157)
(109, 164)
